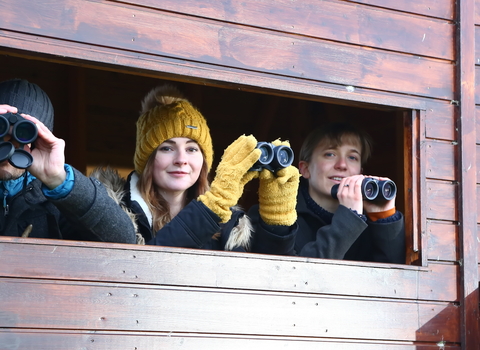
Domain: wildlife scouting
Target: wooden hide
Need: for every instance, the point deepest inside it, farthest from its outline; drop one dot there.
(404, 69)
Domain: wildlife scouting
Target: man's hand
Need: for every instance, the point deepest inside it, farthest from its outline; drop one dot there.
(48, 156)
(7, 109)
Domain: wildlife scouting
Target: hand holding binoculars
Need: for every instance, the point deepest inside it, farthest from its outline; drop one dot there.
(374, 190)
(273, 158)
(24, 132)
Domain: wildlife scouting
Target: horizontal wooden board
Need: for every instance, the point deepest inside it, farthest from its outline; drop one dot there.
(442, 9)
(61, 260)
(477, 12)
(57, 340)
(41, 304)
(478, 163)
(478, 205)
(64, 52)
(442, 241)
(334, 20)
(440, 121)
(162, 34)
(477, 68)
(440, 160)
(477, 116)
(478, 242)
(440, 201)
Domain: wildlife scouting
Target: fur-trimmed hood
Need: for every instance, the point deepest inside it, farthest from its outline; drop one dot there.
(240, 234)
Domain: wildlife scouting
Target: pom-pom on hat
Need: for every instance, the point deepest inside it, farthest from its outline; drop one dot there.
(167, 114)
(29, 99)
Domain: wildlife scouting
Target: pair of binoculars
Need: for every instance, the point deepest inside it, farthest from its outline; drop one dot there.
(273, 158)
(374, 190)
(24, 132)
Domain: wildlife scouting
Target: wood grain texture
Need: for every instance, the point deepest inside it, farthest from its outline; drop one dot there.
(441, 200)
(477, 117)
(443, 9)
(170, 266)
(58, 340)
(439, 120)
(440, 159)
(80, 306)
(166, 35)
(442, 241)
(338, 21)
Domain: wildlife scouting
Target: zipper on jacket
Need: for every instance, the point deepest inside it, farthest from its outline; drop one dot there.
(5, 205)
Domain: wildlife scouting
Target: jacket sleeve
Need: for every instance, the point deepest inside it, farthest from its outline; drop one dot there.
(388, 240)
(268, 239)
(334, 240)
(95, 215)
(192, 227)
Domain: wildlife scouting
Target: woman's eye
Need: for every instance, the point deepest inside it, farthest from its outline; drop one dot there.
(355, 158)
(329, 154)
(165, 148)
(192, 149)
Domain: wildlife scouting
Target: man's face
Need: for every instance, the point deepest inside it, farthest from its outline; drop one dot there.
(329, 165)
(8, 172)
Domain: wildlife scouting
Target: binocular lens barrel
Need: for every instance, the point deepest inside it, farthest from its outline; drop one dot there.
(273, 157)
(24, 131)
(374, 190)
(388, 189)
(267, 153)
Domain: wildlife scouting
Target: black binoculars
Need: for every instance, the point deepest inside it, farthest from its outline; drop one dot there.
(273, 158)
(374, 190)
(24, 132)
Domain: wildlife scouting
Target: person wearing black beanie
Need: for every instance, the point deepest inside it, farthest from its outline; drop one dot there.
(42, 196)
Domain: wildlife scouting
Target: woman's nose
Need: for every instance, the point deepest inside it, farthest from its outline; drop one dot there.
(181, 158)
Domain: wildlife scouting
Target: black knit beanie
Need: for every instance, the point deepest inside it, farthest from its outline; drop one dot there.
(29, 98)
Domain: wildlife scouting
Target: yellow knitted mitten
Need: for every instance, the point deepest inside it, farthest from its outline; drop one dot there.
(277, 194)
(231, 176)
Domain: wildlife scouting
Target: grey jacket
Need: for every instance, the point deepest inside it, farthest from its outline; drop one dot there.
(86, 213)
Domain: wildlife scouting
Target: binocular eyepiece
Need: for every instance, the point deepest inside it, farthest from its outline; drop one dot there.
(374, 190)
(273, 158)
(24, 132)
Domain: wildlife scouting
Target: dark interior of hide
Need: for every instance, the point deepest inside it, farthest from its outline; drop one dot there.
(96, 110)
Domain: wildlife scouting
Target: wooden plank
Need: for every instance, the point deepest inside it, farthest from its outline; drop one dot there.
(477, 117)
(442, 241)
(44, 305)
(477, 77)
(53, 50)
(105, 25)
(478, 165)
(334, 20)
(442, 9)
(440, 122)
(58, 340)
(465, 86)
(441, 200)
(478, 206)
(61, 260)
(477, 12)
(478, 240)
(440, 160)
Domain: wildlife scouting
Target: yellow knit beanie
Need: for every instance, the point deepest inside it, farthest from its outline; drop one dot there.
(167, 114)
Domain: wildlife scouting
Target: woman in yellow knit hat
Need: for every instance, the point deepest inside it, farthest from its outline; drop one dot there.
(169, 192)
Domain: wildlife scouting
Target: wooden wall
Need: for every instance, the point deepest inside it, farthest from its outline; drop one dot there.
(414, 59)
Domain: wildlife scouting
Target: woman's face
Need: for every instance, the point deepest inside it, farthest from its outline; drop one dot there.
(177, 165)
(329, 165)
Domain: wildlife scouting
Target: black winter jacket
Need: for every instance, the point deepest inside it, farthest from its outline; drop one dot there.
(86, 213)
(193, 227)
(348, 237)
